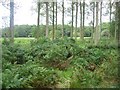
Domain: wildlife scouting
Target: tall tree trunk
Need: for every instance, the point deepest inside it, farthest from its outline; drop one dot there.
(116, 20)
(11, 21)
(81, 21)
(118, 30)
(118, 24)
(62, 18)
(38, 21)
(83, 18)
(56, 16)
(72, 19)
(100, 20)
(110, 18)
(47, 19)
(53, 36)
(97, 28)
(76, 20)
(93, 31)
(118, 36)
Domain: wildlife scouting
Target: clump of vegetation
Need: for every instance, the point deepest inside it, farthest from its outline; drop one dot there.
(30, 74)
(55, 51)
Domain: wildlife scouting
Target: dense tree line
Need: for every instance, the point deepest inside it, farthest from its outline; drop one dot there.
(30, 30)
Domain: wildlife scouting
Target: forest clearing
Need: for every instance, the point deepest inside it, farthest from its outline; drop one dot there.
(70, 54)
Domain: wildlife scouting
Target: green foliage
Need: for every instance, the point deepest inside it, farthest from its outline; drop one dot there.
(32, 30)
(53, 50)
(30, 74)
(112, 32)
(87, 31)
(58, 63)
(105, 26)
(83, 78)
(21, 30)
(14, 53)
(109, 29)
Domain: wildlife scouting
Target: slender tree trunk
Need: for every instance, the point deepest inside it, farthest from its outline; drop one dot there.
(118, 23)
(118, 37)
(12, 21)
(72, 20)
(47, 19)
(62, 18)
(116, 20)
(110, 18)
(83, 18)
(81, 21)
(97, 28)
(93, 31)
(100, 19)
(38, 21)
(53, 36)
(118, 30)
(76, 20)
(56, 15)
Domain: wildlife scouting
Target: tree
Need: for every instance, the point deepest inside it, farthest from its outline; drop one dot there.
(62, 18)
(83, 18)
(100, 18)
(56, 14)
(118, 29)
(81, 23)
(93, 21)
(12, 21)
(76, 20)
(116, 20)
(53, 36)
(47, 18)
(118, 23)
(72, 19)
(110, 6)
(96, 39)
(38, 20)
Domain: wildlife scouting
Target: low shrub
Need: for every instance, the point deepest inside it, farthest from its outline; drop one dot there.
(14, 53)
(30, 74)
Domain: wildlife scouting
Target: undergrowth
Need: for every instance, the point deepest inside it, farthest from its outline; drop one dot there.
(59, 64)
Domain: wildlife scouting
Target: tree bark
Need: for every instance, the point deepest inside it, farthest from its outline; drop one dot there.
(118, 36)
(38, 21)
(72, 20)
(56, 15)
(81, 21)
(118, 30)
(12, 21)
(100, 20)
(97, 28)
(47, 19)
(62, 18)
(110, 18)
(116, 20)
(53, 36)
(83, 18)
(93, 31)
(76, 20)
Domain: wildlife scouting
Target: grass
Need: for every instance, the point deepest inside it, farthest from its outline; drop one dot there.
(23, 40)
(26, 40)
(19, 39)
